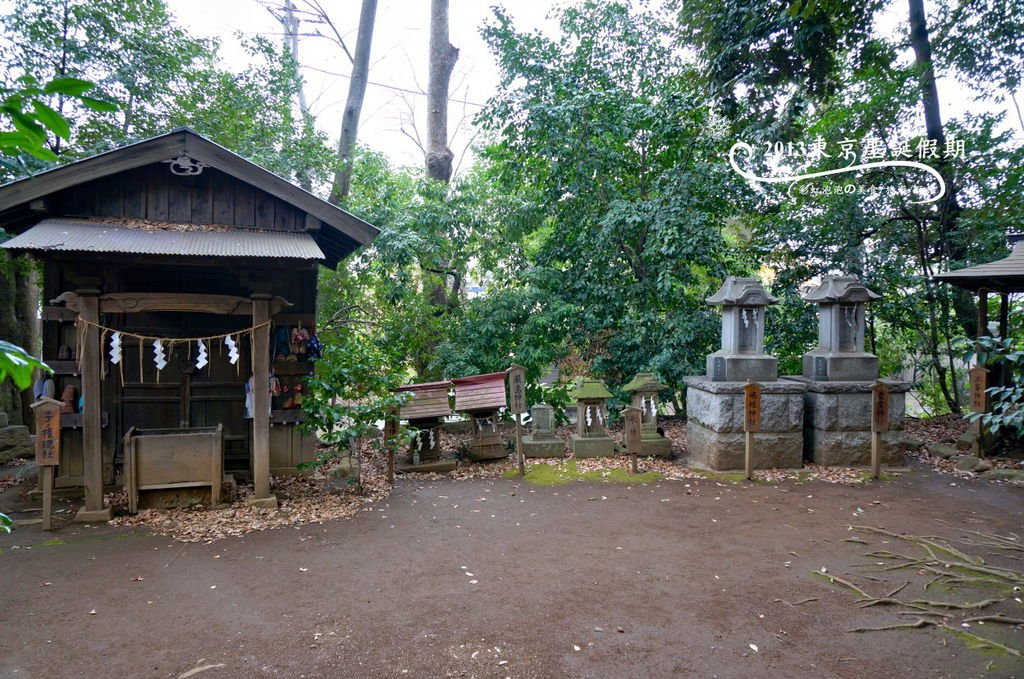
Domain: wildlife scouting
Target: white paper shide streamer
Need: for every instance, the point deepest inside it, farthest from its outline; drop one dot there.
(159, 359)
(201, 359)
(115, 348)
(232, 349)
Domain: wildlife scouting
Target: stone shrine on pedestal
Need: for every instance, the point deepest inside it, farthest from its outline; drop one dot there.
(591, 438)
(715, 401)
(645, 388)
(839, 376)
(542, 441)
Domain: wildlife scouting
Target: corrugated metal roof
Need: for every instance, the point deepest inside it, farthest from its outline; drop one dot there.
(155, 238)
(1003, 275)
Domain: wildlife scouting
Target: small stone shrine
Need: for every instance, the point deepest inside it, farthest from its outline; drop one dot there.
(839, 376)
(591, 438)
(645, 388)
(542, 441)
(715, 402)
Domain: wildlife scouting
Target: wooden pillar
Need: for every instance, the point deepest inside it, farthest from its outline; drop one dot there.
(978, 447)
(92, 441)
(261, 400)
(1004, 330)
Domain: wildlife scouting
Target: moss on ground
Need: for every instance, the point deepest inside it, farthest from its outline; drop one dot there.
(569, 472)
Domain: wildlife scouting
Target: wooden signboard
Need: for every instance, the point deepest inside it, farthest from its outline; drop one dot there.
(517, 406)
(979, 383)
(879, 407)
(517, 389)
(47, 411)
(752, 407)
(879, 423)
(751, 423)
(634, 444)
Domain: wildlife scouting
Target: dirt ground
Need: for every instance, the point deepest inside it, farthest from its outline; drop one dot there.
(498, 578)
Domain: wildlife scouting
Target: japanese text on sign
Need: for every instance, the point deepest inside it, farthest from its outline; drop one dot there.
(752, 407)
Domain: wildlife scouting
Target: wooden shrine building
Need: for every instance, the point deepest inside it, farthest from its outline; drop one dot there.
(173, 272)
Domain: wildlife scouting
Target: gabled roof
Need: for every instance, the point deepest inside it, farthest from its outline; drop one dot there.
(346, 233)
(1002, 275)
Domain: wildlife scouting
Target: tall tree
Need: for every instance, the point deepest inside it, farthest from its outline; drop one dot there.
(354, 103)
(443, 56)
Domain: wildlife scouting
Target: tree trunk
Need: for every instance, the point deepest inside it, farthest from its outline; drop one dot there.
(442, 61)
(354, 103)
(950, 249)
(19, 297)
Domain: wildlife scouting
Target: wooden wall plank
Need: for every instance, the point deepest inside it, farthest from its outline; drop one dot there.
(134, 182)
(265, 210)
(223, 199)
(202, 200)
(157, 196)
(179, 207)
(245, 204)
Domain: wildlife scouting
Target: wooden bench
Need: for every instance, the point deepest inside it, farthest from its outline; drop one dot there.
(167, 459)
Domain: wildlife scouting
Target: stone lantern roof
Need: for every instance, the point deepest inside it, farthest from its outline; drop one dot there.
(644, 382)
(736, 291)
(590, 389)
(840, 289)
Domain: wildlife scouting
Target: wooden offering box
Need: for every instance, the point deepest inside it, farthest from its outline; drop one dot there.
(171, 459)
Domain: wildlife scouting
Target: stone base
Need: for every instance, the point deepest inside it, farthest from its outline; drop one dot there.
(837, 422)
(724, 367)
(723, 451)
(262, 502)
(548, 447)
(428, 467)
(595, 446)
(94, 516)
(658, 446)
(852, 448)
(715, 419)
(826, 366)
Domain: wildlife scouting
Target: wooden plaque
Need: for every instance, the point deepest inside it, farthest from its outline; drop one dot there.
(879, 407)
(752, 407)
(391, 424)
(979, 383)
(47, 412)
(632, 417)
(517, 389)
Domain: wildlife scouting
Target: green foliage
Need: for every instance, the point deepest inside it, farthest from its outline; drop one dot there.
(18, 365)
(350, 394)
(621, 198)
(5, 523)
(1001, 356)
(24, 107)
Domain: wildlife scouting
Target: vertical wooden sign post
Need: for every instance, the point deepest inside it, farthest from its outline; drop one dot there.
(979, 403)
(751, 423)
(391, 426)
(517, 406)
(634, 443)
(879, 423)
(47, 411)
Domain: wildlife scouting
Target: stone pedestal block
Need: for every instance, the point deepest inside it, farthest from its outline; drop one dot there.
(543, 447)
(714, 425)
(592, 446)
(837, 422)
(656, 445)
